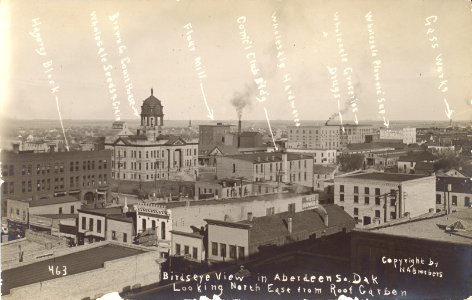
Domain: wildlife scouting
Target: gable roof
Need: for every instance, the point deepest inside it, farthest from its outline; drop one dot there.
(224, 150)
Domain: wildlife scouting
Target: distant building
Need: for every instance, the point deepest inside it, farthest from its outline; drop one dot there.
(245, 139)
(328, 136)
(212, 135)
(376, 198)
(84, 175)
(453, 193)
(320, 156)
(268, 167)
(209, 159)
(236, 241)
(41, 146)
(406, 164)
(190, 245)
(406, 135)
(321, 174)
(150, 155)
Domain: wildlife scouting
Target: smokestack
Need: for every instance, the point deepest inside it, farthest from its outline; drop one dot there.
(289, 225)
(249, 216)
(239, 132)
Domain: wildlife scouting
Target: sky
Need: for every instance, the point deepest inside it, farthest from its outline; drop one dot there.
(156, 55)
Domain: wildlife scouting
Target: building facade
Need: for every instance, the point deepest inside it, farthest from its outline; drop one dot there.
(328, 136)
(406, 135)
(149, 155)
(84, 175)
(453, 193)
(376, 198)
(267, 167)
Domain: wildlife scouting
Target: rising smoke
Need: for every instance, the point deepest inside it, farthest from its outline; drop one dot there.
(242, 99)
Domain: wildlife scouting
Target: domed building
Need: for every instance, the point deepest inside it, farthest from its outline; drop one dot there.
(149, 155)
(152, 113)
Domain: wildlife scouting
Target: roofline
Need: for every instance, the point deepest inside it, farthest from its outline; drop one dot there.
(228, 224)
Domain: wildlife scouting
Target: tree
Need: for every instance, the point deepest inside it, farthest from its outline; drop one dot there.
(351, 162)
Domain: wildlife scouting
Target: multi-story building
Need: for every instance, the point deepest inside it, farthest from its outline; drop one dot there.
(453, 193)
(160, 219)
(265, 167)
(328, 136)
(320, 156)
(100, 224)
(212, 135)
(376, 198)
(19, 212)
(406, 135)
(84, 175)
(149, 155)
(233, 241)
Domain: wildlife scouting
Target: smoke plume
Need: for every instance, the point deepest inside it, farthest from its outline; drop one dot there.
(242, 99)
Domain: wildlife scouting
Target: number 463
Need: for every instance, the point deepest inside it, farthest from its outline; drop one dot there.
(57, 271)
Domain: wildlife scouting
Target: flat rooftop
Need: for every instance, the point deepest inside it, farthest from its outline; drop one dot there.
(397, 177)
(76, 263)
(433, 228)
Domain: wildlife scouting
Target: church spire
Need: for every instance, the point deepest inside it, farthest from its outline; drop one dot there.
(152, 91)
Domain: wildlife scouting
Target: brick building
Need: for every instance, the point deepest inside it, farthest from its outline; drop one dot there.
(33, 176)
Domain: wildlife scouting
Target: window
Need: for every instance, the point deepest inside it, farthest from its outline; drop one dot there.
(377, 213)
(366, 190)
(270, 211)
(291, 208)
(356, 190)
(214, 249)
(60, 210)
(84, 223)
(341, 197)
(467, 201)
(392, 202)
(223, 250)
(144, 224)
(125, 237)
(153, 224)
(356, 199)
(377, 191)
(366, 200)
(241, 252)
(377, 200)
(91, 224)
(341, 188)
(234, 168)
(113, 235)
(393, 215)
(232, 251)
(438, 199)
(186, 249)
(194, 253)
(177, 249)
(454, 200)
(356, 211)
(99, 226)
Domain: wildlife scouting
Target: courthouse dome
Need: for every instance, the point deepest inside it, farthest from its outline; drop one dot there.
(151, 106)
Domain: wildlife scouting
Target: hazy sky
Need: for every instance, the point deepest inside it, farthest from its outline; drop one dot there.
(155, 39)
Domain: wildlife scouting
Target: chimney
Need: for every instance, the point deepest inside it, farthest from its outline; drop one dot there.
(249, 216)
(239, 132)
(16, 148)
(125, 207)
(289, 225)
